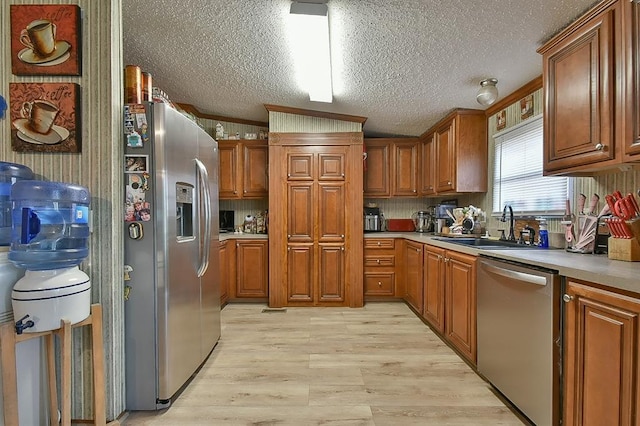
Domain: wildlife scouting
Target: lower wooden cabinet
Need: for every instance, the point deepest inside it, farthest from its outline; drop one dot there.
(412, 274)
(601, 357)
(252, 270)
(226, 253)
(460, 303)
(434, 276)
(244, 271)
(380, 269)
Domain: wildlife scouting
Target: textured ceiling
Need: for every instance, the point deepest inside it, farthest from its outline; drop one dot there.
(402, 63)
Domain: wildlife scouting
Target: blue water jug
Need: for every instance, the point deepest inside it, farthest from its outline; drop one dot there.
(50, 227)
(10, 173)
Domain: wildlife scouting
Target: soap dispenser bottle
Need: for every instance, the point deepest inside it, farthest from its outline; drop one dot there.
(544, 234)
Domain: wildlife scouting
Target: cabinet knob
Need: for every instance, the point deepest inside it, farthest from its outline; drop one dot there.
(446, 260)
(342, 175)
(235, 192)
(430, 186)
(288, 174)
(448, 182)
(342, 236)
(567, 298)
(379, 243)
(378, 261)
(288, 236)
(342, 249)
(599, 146)
(379, 284)
(245, 191)
(418, 250)
(415, 190)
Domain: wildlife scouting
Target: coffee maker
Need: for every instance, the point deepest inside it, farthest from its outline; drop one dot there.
(373, 219)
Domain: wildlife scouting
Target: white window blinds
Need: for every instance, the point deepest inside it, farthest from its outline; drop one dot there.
(517, 178)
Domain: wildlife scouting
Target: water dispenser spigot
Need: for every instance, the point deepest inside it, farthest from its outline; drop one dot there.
(21, 324)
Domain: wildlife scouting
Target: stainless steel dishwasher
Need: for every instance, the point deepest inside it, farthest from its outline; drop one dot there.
(519, 311)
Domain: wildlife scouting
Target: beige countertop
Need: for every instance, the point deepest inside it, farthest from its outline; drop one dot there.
(234, 236)
(597, 268)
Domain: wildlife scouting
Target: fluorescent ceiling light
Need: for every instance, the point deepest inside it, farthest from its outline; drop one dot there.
(310, 36)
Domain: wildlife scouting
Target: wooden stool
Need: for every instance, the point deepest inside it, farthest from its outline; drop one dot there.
(8, 340)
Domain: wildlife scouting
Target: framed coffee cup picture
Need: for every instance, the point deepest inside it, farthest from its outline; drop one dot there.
(45, 40)
(45, 117)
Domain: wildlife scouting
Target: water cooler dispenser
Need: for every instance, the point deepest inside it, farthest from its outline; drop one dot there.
(49, 238)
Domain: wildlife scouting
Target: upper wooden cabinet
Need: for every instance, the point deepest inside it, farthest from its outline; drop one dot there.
(243, 169)
(405, 167)
(631, 103)
(377, 174)
(456, 154)
(580, 69)
(392, 167)
(427, 172)
(591, 78)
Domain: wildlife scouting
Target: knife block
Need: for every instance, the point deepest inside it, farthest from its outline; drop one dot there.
(627, 249)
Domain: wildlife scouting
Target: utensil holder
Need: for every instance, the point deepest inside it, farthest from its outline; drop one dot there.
(627, 249)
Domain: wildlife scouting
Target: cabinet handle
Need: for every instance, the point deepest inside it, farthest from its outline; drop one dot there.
(288, 237)
(342, 236)
(439, 257)
(379, 284)
(237, 244)
(378, 261)
(567, 298)
(415, 190)
(599, 146)
(446, 260)
(379, 244)
(288, 174)
(448, 182)
(342, 248)
(235, 192)
(342, 175)
(430, 186)
(418, 250)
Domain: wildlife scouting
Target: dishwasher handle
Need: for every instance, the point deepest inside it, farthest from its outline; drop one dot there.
(516, 275)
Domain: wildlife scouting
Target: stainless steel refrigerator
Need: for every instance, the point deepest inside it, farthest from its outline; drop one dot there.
(172, 292)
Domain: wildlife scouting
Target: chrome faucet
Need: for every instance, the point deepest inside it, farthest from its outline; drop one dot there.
(512, 236)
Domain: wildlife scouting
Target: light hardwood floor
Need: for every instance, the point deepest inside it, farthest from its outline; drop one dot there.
(378, 365)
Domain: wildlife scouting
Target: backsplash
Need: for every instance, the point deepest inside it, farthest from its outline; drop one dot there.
(244, 207)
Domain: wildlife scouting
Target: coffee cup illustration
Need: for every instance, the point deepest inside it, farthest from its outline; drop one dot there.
(40, 37)
(40, 115)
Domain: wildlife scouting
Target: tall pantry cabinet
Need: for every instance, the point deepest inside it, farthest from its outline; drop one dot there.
(315, 219)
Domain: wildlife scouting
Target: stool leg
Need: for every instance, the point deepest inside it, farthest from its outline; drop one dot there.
(51, 369)
(65, 387)
(99, 406)
(9, 376)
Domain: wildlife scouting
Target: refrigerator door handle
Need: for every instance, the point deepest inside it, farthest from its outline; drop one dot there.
(203, 182)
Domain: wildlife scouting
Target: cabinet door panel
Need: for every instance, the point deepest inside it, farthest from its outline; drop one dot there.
(428, 181)
(445, 158)
(300, 268)
(377, 173)
(632, 134)
(434, 287)
(252, 269)
(406, 169)
(300, 213)
(601, 360)
(331, 215)
(413, 274)
(300, 166)
(460, 309)
(331, 273)
(331, 166)
(223, 259)
(255, 183)
(580, 85)
(228, 184)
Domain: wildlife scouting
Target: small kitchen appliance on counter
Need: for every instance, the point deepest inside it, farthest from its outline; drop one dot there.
(227, 220)
(423, 221)
(373, 219)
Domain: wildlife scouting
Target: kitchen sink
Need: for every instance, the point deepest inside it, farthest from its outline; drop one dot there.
(487, 244)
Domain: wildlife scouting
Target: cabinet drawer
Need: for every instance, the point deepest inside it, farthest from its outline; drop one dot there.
(373, 260)
(379, 243)
(379, 284)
